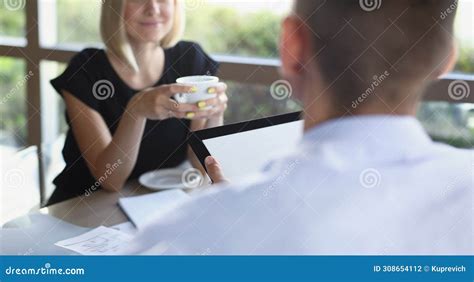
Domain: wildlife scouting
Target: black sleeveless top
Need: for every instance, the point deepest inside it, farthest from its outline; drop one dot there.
(91, 78)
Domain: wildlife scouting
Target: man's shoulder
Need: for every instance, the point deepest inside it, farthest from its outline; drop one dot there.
(448, 152)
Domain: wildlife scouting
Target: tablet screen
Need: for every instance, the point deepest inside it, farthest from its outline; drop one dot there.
(246, 152)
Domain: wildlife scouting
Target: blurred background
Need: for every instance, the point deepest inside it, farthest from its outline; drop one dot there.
(37, 38)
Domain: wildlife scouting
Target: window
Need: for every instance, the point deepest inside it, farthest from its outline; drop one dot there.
(13, 111)
(252, 101)
(55, 124)
(12, 20)
(219, 28)
(74, 23)
(244, 28)
(453, 123)
(55, 120)
(242, 35)
(449, 123)
(465, 36)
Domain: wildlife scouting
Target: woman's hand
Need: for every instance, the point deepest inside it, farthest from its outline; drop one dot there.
(216, 117)
(218, 104)
(157, 104)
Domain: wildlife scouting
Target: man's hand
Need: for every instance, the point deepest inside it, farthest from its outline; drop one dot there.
(214, 170)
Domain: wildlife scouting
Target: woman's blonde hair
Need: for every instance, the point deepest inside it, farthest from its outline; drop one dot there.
(113, 32)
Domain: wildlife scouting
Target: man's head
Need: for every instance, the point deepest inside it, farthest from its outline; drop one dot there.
(379, 53)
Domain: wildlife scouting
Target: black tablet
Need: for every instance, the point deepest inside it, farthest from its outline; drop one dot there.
(244, 148)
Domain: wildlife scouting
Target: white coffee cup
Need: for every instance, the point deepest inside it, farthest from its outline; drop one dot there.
(202, 83)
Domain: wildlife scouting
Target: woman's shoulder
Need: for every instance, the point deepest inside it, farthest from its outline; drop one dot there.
(87, 57)
(184, 45)
(186, 49)
(81, 75)
(192, 58)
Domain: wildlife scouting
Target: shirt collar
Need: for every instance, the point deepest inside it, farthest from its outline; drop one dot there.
(396, 136)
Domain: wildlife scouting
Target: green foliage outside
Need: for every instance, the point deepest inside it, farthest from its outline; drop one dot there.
(12, 23)
(13, 113)
(466, 60)
(224, 31)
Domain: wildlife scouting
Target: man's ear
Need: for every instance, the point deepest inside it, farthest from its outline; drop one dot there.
(450, 62)
(294, 44)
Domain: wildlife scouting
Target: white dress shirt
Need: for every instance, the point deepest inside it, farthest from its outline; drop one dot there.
(357, 185)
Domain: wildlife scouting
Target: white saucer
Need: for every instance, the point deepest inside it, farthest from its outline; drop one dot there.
(173, 178)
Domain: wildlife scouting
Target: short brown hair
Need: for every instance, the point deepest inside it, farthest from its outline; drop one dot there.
(408, 39)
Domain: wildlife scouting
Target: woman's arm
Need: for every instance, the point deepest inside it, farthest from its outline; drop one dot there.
(101, 150)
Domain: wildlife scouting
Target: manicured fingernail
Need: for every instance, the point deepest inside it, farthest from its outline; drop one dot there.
(190, 115)
(202, 104)
(211, 90)
(193, 89)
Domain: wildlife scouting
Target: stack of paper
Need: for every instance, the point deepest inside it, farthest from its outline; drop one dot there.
(99, 241)
(143, 209)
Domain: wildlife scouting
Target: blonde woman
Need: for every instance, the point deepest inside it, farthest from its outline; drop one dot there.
(122, 118)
